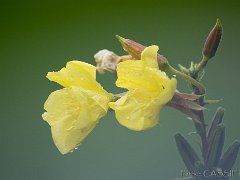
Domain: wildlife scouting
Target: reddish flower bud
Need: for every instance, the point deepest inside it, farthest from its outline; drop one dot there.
(135, 49)
(213, 40)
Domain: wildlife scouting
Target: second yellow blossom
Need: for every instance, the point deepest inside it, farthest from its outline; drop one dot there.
(149, 90)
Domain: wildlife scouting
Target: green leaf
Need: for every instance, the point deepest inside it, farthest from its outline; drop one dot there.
(229, 157)
(212, 101)
(188, 154)
(216, 147)
(217, 119)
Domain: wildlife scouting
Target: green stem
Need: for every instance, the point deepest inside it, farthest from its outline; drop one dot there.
(202, 64)
(170, 69)
(201, 128)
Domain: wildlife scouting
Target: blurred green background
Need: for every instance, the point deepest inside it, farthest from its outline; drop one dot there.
(41, 36)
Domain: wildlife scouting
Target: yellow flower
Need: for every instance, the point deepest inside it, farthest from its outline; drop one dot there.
(74, 111)
(149, 90)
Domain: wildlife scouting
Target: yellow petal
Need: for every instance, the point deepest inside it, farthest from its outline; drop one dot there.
(136, 112)
(139, 111)
(168, 92)
(72, 113)
(149, 90)
(133, 74)
(77, 73)
(149, 57)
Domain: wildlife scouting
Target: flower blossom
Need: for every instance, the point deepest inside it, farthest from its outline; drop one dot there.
(73, 112)
(149, 90)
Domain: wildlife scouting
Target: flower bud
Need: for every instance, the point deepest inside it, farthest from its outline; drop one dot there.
(135, 49)
(213, 40)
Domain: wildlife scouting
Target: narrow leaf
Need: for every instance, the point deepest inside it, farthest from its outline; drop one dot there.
(217, 119)
(188, 154)
(212, 101)
(216, 146)
(229, 157)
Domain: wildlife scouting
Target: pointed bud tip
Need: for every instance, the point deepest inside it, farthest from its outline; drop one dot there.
(218, 23)
(121, 39)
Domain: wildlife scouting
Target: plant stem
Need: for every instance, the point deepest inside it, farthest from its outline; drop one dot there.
(199, 86)
(202, 63)
(201, 128)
